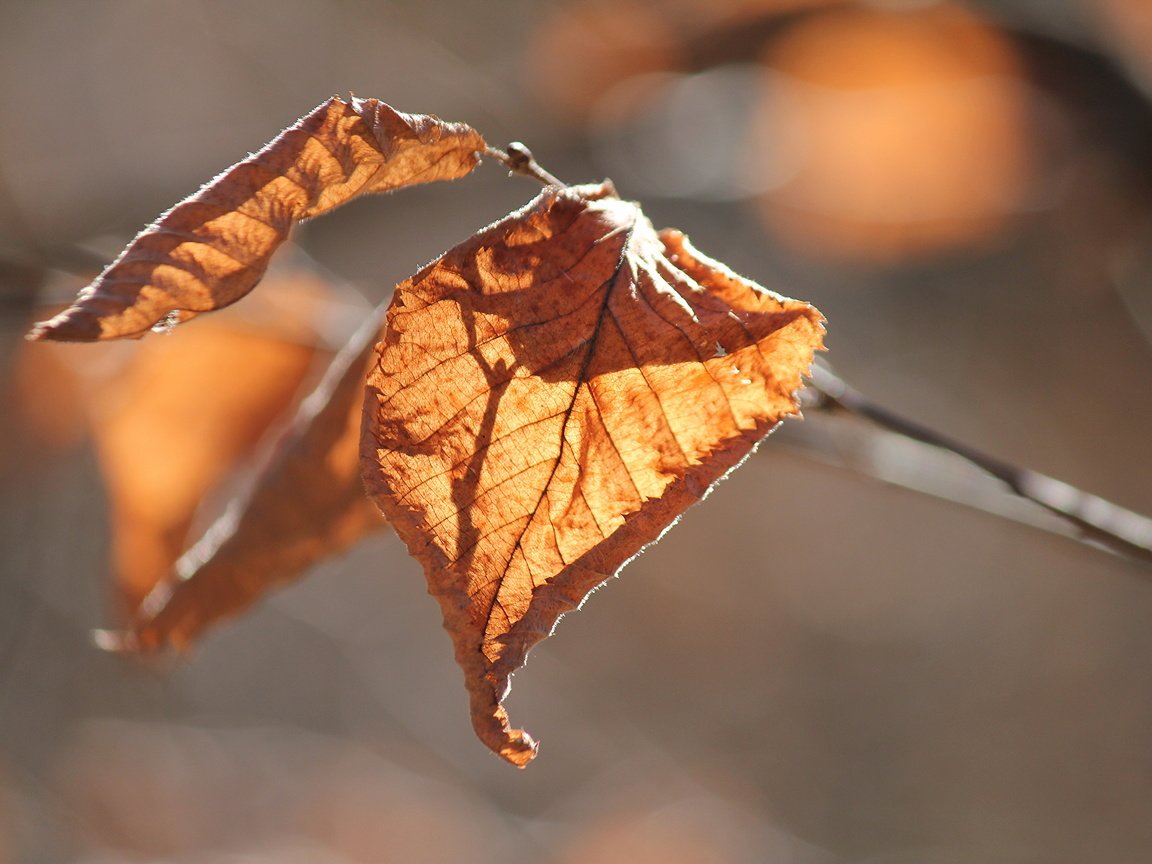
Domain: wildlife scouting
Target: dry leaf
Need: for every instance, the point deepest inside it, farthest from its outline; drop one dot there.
(212, 248)
(308, 504)
(172, 419)
(547, 399)
(169, 427)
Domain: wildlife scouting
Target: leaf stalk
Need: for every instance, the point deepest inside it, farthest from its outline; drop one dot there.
(518, 159)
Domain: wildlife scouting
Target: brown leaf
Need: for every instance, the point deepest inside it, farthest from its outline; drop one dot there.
(175, 420)
(547, 399)
(308, 504)
(212, 248)
(177, 423)
(170, 422)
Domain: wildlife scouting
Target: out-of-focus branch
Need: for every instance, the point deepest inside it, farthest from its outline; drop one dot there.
(1083, 516)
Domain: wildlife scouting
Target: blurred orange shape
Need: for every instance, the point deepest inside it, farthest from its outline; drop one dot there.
(172, 425)
(902, 132)
(42, 399)
(173, 417)
(305, 505)
(584, 49)
(695, 829)
(1127, 26)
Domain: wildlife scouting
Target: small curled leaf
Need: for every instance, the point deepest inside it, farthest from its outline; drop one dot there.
(213, 247)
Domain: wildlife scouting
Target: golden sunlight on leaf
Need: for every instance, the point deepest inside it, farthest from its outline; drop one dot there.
(212, 248)
(547, 399)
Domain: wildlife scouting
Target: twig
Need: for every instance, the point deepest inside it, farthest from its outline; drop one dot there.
(519, 160)
(1094, 519)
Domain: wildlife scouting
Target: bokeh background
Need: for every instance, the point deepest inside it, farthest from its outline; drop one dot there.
(815, 666)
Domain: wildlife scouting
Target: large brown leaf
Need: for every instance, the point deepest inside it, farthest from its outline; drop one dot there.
(212, 248)
(308, 504)
(547, 399)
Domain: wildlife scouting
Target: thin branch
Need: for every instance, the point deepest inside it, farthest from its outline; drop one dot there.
(1094, 519)
(519, 160)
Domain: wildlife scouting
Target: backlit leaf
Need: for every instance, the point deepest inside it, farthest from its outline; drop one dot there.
(547, 399)
(212, 248)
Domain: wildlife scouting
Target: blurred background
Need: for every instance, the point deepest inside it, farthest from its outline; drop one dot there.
(815, 666)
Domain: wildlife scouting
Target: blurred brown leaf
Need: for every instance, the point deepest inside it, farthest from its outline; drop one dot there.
(306, 505)
(547, 399)
(174, 418)
(212, 248)
(172, 424)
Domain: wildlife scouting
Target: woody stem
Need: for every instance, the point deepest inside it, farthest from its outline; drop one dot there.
(519, 160)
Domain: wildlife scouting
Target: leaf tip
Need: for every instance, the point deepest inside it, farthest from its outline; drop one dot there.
(69, 326)
(43, 331)
(517, 747)
(490, 722)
